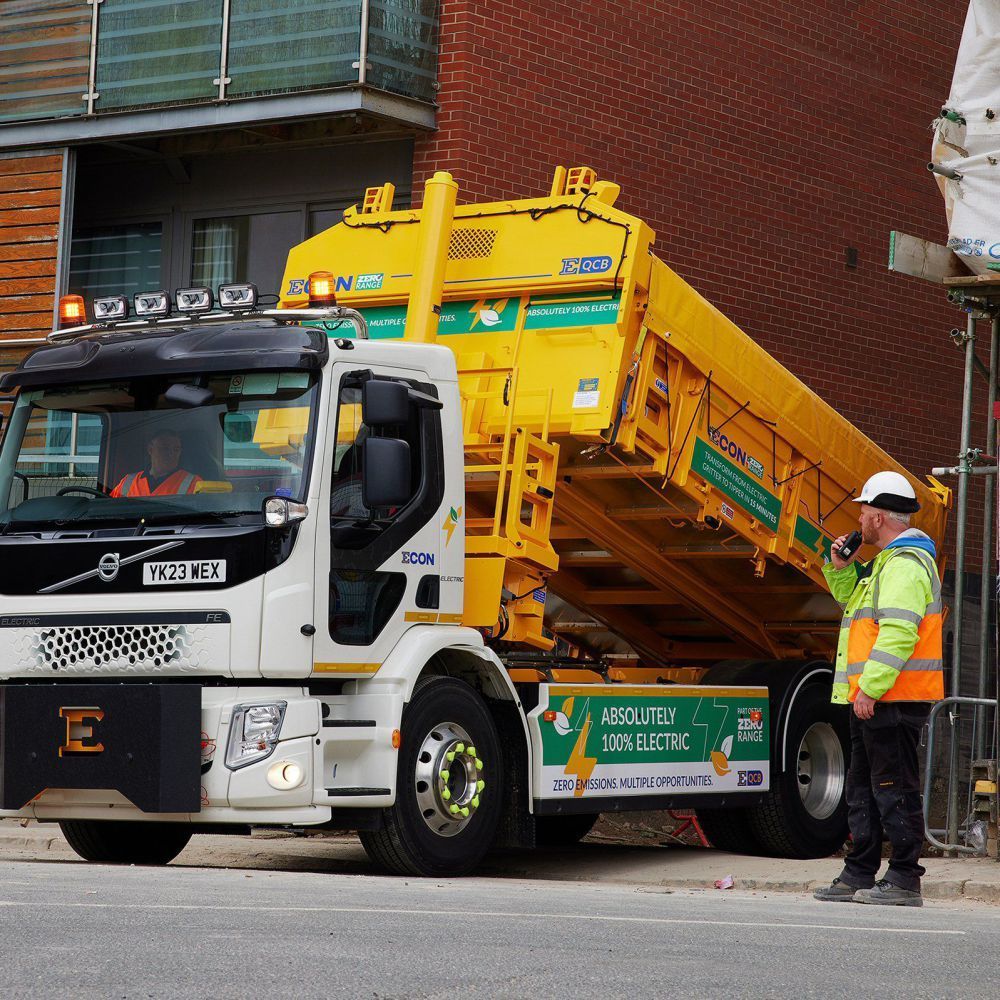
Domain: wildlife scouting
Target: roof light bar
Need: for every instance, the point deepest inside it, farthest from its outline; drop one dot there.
(72, 311)
(238, 297)
(193, 300)
(110, 309)
(152, 305)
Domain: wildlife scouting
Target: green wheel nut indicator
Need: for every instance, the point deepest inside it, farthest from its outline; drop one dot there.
(472, 751)
(479, 764)
(446, 795)
(460, 748)
(465, 811)
(475, 802)
(445, 775)
(451, 757)
(480, 785)
(454, 809)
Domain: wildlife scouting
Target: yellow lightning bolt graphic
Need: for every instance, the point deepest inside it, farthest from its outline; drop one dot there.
(476, 311)
(579, 763)
(451, 523)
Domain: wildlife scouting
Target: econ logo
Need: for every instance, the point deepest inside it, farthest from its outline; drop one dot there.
(736, 451)
(586, 265)
(418, 558)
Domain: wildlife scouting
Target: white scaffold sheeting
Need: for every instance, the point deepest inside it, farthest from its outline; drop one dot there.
(967, 141)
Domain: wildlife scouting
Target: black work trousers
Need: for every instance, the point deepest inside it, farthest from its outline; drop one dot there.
(883, 794)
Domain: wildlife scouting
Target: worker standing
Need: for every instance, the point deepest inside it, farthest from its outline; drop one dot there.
(889, 668)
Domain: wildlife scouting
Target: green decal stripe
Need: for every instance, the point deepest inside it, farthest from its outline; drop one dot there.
(559, 313)
(809, 536)
(735, 483)
(628, 730)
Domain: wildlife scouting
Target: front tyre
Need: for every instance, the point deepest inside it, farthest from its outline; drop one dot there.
(805, 813)
(448, 786)
(119, 842)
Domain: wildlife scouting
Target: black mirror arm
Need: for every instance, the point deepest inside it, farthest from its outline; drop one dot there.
(423, 401)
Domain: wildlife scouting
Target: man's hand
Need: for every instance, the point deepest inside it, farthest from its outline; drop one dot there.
(864, 707)
(839, 563)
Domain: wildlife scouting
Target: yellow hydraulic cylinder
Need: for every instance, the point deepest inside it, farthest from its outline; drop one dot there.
(427, 287)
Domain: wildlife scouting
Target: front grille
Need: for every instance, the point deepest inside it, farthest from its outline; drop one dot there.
(117, 648)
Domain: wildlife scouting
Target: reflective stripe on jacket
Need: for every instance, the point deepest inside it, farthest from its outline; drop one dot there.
(891, 634)
(135, 484)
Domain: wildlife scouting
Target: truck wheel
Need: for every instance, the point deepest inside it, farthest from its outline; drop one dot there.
(805, 813)
(729, 830)
(563, 831)
(448, 797)
(119, 842)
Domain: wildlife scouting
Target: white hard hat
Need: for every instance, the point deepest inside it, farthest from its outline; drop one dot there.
(889, 491)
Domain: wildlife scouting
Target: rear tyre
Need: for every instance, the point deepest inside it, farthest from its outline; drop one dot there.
(563, 831)
(119, 842)
(729, 830)
(448, 787)
(805, 813)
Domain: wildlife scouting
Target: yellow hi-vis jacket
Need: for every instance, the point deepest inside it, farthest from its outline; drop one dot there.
(891, 634)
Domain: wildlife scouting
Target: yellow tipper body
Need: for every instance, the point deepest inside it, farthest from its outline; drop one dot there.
(639, 470)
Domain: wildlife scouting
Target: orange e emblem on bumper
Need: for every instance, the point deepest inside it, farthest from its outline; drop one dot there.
(79, 728)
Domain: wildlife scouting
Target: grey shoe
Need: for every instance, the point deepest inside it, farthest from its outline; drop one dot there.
(837, 892)
(884, 893)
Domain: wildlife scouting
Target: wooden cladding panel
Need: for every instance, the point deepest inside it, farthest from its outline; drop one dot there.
(30, 193)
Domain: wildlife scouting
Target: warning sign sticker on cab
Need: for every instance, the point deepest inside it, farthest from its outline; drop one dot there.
(184, 572)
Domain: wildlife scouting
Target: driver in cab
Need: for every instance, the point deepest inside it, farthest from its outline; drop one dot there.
(164, 475)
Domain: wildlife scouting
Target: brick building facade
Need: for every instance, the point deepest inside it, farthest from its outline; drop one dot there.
(760, 142)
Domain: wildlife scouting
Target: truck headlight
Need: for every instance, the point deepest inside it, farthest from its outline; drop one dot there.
(253, 733)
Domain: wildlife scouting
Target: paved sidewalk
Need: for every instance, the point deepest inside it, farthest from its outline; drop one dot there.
(662, 867)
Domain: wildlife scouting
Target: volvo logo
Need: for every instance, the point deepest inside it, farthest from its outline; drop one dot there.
(107, 568)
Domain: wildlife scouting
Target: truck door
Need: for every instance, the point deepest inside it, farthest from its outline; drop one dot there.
(376, 567)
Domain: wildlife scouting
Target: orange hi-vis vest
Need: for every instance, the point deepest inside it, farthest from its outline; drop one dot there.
(920, 673)
(135, 484)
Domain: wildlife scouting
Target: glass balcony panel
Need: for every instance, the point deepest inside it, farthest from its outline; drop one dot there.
(402, 47)
(44, 58)
(157, 52)
(277, 46)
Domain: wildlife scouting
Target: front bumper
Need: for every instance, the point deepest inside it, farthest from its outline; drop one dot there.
(147, 769)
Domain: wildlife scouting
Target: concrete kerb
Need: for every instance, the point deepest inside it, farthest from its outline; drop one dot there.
(973, 879)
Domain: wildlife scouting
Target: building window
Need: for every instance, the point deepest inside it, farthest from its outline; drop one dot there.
(219, 250)
(116, 260)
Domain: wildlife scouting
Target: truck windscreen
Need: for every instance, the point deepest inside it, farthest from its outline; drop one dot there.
(157, 447)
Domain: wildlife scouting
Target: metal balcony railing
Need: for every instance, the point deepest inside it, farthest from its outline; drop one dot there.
(68, 58)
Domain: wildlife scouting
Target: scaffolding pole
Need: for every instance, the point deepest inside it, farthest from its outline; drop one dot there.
(964, 469)
(988, 582)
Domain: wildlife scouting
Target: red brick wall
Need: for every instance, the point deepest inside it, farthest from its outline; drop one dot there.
(759, 141)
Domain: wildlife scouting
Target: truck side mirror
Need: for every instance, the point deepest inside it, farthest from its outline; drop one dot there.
(385, 472)
(384, 404)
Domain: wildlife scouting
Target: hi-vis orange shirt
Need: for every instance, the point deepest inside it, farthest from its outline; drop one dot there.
(135, 484)
(891, 634)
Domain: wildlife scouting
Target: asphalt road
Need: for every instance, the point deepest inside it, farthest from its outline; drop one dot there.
(73, 930)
